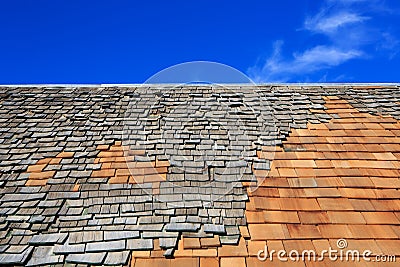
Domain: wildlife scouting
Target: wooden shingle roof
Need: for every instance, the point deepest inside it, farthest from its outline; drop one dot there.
(197, 175)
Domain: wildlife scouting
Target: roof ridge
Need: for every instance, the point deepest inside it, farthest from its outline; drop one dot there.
(195, 84)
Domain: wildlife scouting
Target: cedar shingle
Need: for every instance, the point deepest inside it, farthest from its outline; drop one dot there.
(380, 218)
(335, 231)
(306, 204)
(281, 216)
(337, 204)
(346, 217)
(303, 231)
(267, 231)
(313, 217)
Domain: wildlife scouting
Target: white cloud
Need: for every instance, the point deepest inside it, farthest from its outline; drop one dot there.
(324, 56)
(332, 23)
(278, 69)
(349, 34)
(390, 44)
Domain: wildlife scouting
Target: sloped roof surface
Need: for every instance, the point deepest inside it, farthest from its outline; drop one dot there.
(196, 175)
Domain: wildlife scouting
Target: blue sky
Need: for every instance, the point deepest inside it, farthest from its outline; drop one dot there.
(129, 41)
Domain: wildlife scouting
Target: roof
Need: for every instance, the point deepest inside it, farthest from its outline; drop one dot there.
(197, 175)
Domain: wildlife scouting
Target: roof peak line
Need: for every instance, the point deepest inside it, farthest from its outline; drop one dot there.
(197, 84)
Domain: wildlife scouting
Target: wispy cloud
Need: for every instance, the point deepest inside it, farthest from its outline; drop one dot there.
(279, 69)
(390, 43)
(331, 24)
(348, 35)
(321, 56)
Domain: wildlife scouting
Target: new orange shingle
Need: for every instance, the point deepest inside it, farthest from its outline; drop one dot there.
(306, 204)
(36, 168)
(314, 217)
(335, 231)
(372, 231)
(303, 231)
(337, 204)
(267, 231)
(254, 247)
(209, 262)
(65, 154)
(298, 245)
(210, 242)
(233, 261)
(41, 175)
(380, 218)
(103, 173)
(346, 217)
(271, 216)
(191, 243)
(234, 250)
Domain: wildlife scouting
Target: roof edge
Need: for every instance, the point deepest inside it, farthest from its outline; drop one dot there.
(169, 84)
